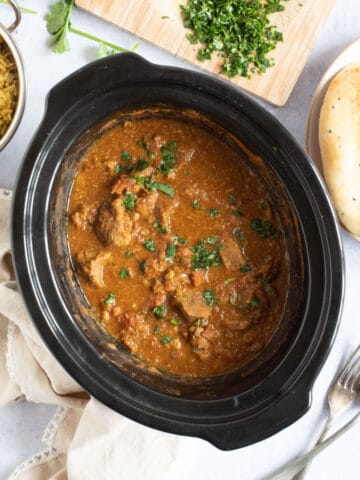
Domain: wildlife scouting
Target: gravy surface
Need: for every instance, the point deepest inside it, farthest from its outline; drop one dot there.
(177, 247)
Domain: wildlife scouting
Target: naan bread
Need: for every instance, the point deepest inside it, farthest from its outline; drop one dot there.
(339, 138)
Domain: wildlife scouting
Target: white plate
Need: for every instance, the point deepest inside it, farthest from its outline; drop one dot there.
(350, 55)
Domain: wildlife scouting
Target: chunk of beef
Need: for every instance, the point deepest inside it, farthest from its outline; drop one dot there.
(165, 207)
(154, 266)
(132, 330)
(231, 254)
(84, 216)
(92, 266)
(198, 277)
(192, 305)
(113, 225)
(125, 184)
(200, 344)
(174, 279)
(159, 293)
(145, 205)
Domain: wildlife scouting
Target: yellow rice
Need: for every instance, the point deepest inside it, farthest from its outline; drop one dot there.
(8, 87)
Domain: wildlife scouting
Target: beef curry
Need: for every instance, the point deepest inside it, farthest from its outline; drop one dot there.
(177, 246)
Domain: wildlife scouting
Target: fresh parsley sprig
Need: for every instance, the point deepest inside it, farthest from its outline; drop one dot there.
(58, 24)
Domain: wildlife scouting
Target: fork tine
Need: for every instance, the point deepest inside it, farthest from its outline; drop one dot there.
(347, 370)
(354, 375)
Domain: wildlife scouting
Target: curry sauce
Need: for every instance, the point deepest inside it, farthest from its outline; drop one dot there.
(177, 246)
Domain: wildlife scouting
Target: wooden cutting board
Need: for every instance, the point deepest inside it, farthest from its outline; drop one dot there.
(300, 23)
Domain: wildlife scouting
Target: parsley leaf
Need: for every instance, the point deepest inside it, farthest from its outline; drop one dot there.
(196, 204)
(129, 201)
(213, 212)
(150, 245)
(171, 251)
(204, 257)
(150, 184)
(159, 311)
(244, 268)
(124, 273)
(264, 228)
(209, 297)
(125, 156)
(167, 160)
(111, 299)
(166, 339)
(58, 24)
(141, 165)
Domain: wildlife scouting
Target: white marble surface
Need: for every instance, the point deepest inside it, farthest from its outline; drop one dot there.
(21, 425)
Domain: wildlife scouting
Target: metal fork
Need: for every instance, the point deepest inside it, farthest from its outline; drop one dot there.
(341, 395)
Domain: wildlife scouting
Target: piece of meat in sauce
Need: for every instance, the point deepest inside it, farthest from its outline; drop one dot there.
(84, 216)
(192, 305)
(230, 254)
(164, 209)
(145, 204)
(92, 265)
(201, 338)
(113, 225)
(125, 184)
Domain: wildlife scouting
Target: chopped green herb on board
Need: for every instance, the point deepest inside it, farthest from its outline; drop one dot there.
(239, 31)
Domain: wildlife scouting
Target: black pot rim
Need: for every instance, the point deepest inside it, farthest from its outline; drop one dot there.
(227, 429)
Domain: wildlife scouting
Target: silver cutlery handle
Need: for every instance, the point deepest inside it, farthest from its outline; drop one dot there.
(299, 463)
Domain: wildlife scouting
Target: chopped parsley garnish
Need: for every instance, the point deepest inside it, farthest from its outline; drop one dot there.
(254, 302)
(244, 268)
(142, 265)
(124, 273)
(170, 251)
(157, 330)
(159, 227)
(150, 245)
(166, 339)
(167, 189)
(128, 254)
(150, 184)
(172, 144)
(230, 280)
(204, 257)
(237, 212)
(174, 321)
(118, 169)
(111, 299)
(183, 241)
(197, 322)
(141, 165)
(264, 228)
(213, 212)
(263, 205)
(159, 311)
(232, 199)
(146, 146)
(129, 201)
(196, 204)
(239, 31)
(125, 156)
(209, 297)
(267, 284)
(167, 160)
(238, 234)
(211, 240)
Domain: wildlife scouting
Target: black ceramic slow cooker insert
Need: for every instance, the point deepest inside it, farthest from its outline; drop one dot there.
(231, 410)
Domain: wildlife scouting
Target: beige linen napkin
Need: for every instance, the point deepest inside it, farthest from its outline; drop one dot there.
(85, 439)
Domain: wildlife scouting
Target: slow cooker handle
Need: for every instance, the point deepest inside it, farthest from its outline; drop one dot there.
(17, 12)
